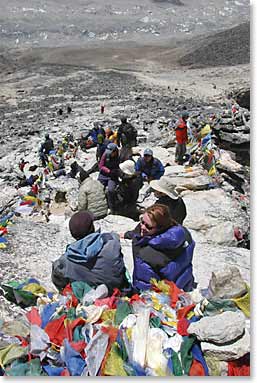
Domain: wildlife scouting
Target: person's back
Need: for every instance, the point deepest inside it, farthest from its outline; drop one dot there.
(94, 258)
(92, 197)
(48, 145)
(127, 134)
(128, 190)
(176, 207)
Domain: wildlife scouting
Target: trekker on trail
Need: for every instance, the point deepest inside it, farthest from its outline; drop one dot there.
(45, 149)
(149, 167)
(127, 191)
(109, 173)
(162, 249)
(181, 138)
(95, 258)
(126, 138)
(92, 197)
(164, 190)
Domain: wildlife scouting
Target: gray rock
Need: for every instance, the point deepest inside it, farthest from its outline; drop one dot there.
(194, 183)
(227, 283)
(219, 329)
(227, 163)
(209, 257)
(229, 352)
(235, 138)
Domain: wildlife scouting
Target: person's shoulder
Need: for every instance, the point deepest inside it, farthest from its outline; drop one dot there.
(110, 236)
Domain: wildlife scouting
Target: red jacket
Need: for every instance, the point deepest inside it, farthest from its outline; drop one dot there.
(181, 132)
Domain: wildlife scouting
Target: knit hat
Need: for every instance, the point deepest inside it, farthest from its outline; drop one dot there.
(148, 152)
(81, 224)
(165, 186)
(128, 167)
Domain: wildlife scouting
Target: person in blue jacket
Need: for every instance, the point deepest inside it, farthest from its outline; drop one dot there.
(94, 258)
(162, 249)
(93, 133)
(149, 167)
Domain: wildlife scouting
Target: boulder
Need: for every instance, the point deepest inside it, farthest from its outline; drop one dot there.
(227, 283)
(210, 258)
(235, 138)
(208, 209)
(227, 163)
(63, 188)
(192, 183)
(228, 352)
(219, 329)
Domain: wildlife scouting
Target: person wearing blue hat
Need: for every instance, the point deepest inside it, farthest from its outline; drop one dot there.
(109, 172)
(149, 167)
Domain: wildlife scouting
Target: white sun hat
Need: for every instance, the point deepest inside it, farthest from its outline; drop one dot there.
(165, 186)
(128, 167)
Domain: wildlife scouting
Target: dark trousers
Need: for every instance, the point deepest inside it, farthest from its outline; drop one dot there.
(110, 186)
(180, 152)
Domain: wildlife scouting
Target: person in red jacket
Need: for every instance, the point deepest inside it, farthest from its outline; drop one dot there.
(181, 138)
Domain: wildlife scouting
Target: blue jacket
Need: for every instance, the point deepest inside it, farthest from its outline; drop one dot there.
(96, 259)
(165, 256)
(94, 133)
(153, 169)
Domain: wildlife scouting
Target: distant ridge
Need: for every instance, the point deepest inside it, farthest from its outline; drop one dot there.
(229, 47)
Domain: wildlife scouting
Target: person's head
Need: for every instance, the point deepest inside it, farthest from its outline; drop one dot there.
(155, 219)
(112, 149)
(74, 167)
(185, 115)
(148, 155)
(47, 136)
(96, 125)
(108, 132)
(81, 224)
(128, 168)
(123, 119)
(164, 187)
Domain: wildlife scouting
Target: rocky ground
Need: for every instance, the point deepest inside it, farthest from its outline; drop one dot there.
(145, 78)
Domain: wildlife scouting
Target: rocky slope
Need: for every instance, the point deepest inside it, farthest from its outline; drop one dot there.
(131, 79)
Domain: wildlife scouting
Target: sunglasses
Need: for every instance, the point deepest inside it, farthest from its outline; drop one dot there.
(146, 225)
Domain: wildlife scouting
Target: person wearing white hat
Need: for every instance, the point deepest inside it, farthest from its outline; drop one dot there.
(165, 191)
(127, 191)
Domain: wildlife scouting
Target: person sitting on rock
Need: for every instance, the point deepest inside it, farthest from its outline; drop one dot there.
(149, 167)
(126, 138)
(93, 133)
(181, 138)
(92, 197)
(127, 191)
(102, 143)
(164, 190)
(95, 258)
(45, 149)
(109, 173)
(162, 249)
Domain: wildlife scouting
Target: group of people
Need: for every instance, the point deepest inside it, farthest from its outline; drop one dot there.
(161, 248)
(194, 142)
